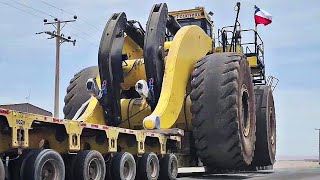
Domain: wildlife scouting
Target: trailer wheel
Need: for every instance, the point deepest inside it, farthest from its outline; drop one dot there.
(148, 167)
(223, 111)
(265, 151)
(108, 161)
(89, 165)
(124, 166)
(76, 91)
(68, 160)
(2, 172)
(169, 167)
(17, 166)
(44, 164)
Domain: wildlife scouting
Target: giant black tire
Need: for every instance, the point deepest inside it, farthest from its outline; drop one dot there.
(77, 93)
(2, 171)
(265, 151)
(223, 111)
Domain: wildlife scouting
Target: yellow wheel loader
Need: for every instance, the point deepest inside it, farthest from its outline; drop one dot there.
(167, 96)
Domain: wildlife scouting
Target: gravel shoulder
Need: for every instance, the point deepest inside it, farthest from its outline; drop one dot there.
(283, 170)
(295, 164)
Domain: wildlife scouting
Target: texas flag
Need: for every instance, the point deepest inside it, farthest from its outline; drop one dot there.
(262, 17)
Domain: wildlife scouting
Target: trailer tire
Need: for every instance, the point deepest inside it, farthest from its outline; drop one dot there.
(168, 167)
(89, 164)
(108, 161)
(266, 127)
(45, 162)
(76, 92)
(122, 161)
(149, 167)
(223, 111)
(68, 160)
(2, 171)
(16, 167)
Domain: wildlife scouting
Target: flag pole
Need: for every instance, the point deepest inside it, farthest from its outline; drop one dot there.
(255, 33)
(255, 38)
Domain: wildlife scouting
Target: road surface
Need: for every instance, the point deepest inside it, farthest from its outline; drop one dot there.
(283, 170)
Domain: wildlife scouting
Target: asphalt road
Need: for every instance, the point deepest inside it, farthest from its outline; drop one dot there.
(282, 173)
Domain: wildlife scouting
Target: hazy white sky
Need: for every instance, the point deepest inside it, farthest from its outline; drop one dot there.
(27, 61)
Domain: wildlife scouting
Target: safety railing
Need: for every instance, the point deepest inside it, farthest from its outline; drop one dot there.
(272, 82)
(250, 42)
(257, 43)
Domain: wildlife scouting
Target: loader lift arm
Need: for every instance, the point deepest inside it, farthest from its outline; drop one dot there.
(154, 53)
(168, 89)
(189, 45)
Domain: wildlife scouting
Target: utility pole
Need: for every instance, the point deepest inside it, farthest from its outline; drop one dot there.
(59, 40)
(28, 98)
(319, 144)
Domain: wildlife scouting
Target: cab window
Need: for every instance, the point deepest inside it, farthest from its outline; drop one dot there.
(203, 23)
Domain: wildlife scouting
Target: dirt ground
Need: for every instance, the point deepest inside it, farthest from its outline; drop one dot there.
(283, 170)
(279, 165)
(295, 164)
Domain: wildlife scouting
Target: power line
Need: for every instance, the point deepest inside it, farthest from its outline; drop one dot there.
(93, 26)
(91, 43)
(38, 16)
(72, 26)
(22, 10)
(80, 30)
(54, 7)
(32, 8)
(84, 33)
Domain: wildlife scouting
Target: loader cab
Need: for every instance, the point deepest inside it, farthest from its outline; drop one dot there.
(197, 16)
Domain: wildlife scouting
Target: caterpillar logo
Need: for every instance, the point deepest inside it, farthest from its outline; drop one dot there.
(189, 15)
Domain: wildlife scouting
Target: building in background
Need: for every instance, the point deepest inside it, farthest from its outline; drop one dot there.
(26, 107)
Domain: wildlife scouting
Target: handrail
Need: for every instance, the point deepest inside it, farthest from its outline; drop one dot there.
(245, 30)
(258, 43)
(248, 49)
(272, 82)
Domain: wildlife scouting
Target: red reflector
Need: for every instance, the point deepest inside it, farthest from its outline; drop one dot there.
(94, 126)
(4, 111)
(56, 120)
(105, 127)
(83, 124)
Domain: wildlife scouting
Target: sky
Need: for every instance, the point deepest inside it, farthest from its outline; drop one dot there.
(27, 60)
